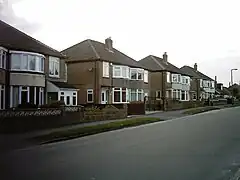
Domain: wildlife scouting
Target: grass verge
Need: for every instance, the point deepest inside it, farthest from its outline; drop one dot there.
(200, 110)
(89, 130)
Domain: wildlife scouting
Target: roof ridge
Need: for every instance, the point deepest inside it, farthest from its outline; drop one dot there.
(93, 48)
(26, 35)
(155, 60)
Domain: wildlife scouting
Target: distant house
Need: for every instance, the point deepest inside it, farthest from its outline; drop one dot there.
(222, 91)
(202, 86)
(167, 81)
(26, 68)
(234, 87)
(104, 75)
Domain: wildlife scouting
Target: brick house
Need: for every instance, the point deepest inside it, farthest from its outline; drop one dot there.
(104, 75)
(202, 86)
(24, 68)
(167, 81)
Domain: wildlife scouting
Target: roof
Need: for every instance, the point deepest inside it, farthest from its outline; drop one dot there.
(14, 39)
(196, 74)
(63, 85)
(155, 63)
(94, 50)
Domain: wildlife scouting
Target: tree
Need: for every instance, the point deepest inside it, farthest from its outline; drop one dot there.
(235, 92)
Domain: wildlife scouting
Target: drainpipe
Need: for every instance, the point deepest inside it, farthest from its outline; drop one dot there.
(95, 82)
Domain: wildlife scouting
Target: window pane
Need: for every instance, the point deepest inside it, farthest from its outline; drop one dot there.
(56, 68)
(133, 74)
(42, 64)
(183, 95)
(124, 96)
(15, 61)
(74, 100)
(51, 68)
(24, 64)
(32, 62)
(62, 98)
(2, 95)
(68, 100)
(116, 96)
(117, 71)
(24, 96)
(133, 95)
(90, 98)
(140, 75)
(140, 96)
(32, 95)
(38, 63)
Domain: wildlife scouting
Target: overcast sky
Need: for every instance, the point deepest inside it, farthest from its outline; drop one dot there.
(202, 31)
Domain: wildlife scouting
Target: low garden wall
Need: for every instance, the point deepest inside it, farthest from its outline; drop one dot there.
(24, 120)
(108, 112)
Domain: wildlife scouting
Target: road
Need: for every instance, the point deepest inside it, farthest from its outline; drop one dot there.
(200, 147)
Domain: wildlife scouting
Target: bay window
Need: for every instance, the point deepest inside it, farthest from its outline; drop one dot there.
(105, 69)
(176, 78)
(117, 71)
(136, 95)
(2, 97)
(24, 61)
(3, 57)
(26, 94)
(174, 94)
(119, 95)
(54, 66)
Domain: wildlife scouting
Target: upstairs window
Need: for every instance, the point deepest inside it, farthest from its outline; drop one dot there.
(168, 77)
(24, 61)
(3, 57)
(136, 74)
(176, 78)
(90, 95)
(54, 66)
(105, 69)
(121, 72)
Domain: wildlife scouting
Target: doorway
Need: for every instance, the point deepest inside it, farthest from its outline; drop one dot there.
(104, 96)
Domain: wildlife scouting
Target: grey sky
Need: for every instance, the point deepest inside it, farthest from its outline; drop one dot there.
(202, 31)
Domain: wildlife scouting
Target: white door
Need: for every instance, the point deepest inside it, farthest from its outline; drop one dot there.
(104, 96)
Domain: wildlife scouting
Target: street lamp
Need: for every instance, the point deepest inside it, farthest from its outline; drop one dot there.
(232, 75)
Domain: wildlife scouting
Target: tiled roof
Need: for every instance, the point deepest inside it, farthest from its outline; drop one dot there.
(196, 74)
(94, 50)
(155, 63)
(13, 39)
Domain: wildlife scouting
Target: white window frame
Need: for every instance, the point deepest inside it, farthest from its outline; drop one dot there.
(145, 76)
(137, 92)
(2, 89)
(138, 71)
(90, 92)
(105, 69)
(41, 96)
(39, 64)
(3, 54)
(20, 94)
(175, 78)
(55, 62)
(119, 89)
(121, 69)
(169, 77)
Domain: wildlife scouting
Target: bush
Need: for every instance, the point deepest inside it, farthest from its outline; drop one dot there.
(27, 106)
(55, 104)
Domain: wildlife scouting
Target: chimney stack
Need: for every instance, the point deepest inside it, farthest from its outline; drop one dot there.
(109, 44)
(165, 57)
(195, 67)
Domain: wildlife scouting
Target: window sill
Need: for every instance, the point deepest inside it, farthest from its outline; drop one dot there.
(54, 76)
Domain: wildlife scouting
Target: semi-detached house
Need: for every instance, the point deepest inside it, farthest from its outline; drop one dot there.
(104, 75)
(27, 66)
(167, 81)
(202, 86)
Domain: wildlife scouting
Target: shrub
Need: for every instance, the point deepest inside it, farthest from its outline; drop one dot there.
(27, 106)
(55, 104)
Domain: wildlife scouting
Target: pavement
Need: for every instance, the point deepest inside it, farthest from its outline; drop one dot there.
(200, 147)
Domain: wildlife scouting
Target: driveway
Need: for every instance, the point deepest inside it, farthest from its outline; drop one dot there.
(200, 147)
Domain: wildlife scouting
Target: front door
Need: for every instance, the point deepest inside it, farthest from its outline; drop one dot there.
(104, 96)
